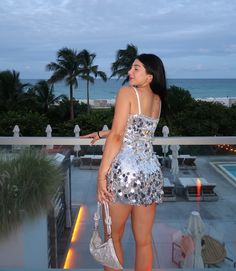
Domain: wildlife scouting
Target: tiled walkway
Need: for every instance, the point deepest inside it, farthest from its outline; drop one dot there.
(219, 218)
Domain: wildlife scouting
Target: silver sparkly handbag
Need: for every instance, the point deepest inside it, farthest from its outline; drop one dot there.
(103, 252)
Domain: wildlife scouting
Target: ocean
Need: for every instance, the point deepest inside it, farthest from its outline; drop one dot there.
(199, 88)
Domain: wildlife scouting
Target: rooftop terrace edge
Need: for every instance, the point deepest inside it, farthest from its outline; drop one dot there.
(189, 140)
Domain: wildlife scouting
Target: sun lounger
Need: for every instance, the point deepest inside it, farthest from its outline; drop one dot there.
(169, 191)
(191, 193)
(90, 161)
(185, 161)
(85, 162)
(208, 192)
(189, 162)
(190, 189)
(95, 163)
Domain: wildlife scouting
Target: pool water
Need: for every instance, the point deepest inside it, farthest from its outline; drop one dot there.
(229, 169)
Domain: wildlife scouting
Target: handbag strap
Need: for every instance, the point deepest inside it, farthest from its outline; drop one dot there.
(107, 216)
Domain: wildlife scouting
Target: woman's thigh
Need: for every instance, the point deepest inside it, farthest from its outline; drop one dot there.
(142, 221)
(119, 214)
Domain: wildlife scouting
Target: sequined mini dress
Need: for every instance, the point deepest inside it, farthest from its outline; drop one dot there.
(135, 175)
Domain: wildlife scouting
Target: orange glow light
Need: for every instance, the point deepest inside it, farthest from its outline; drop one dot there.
(76, 228)
(69, 256)
(198, 187)
(198, 192)
(71, 253)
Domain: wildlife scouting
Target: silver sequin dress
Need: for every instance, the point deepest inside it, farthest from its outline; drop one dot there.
(135, 176)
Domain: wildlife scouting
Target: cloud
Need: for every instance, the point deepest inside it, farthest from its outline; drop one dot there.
(33, 30)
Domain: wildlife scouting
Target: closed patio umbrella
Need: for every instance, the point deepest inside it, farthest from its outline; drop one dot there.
(174, 162)
(195, 229)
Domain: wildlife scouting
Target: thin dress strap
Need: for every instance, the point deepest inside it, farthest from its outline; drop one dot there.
(159, 111)
(139, 107)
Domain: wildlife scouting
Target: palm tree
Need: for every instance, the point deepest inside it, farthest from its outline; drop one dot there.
(11, 89)
(44, 93)
(66, 67)
(124, 60)
(88, 70)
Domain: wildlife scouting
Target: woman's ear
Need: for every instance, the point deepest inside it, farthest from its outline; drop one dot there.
(150, 77)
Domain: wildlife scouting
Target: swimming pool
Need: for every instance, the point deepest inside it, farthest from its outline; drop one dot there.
(231, 169)
(227, 169)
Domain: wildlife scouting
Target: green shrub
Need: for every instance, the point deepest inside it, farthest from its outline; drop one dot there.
(30, 124)
(28, 181)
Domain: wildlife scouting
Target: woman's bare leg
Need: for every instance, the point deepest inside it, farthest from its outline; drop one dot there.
(142, 222)
(119, 214)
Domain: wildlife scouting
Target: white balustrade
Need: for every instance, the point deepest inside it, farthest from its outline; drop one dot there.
(77, 148)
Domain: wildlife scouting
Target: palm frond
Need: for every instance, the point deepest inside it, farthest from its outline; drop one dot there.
(124, 60)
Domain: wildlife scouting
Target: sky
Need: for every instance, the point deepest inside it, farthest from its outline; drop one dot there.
(194, 38)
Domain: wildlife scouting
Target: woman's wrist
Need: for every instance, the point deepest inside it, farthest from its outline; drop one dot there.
(99, 135)
(101, 175)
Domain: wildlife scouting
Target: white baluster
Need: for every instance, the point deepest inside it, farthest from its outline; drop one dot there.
(16, 131)
(49, 134)
(104, 128)
(77, 148)
(165, 148)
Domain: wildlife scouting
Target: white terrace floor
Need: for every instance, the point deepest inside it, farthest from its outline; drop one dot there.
(219, 217)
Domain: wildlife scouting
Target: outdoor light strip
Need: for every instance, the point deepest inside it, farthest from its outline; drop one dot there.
(70, 255)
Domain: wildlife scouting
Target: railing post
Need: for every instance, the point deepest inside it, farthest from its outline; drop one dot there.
(77, 148)
(49, 134)
(16, 134)
(104, 128)
(165, 148)
(16, 131)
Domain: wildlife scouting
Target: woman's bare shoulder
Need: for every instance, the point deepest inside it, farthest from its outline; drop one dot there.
(125, 91)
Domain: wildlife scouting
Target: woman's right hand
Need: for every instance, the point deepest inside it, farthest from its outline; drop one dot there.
(102, 193)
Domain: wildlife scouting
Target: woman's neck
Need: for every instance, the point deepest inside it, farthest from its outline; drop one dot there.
(144, 88)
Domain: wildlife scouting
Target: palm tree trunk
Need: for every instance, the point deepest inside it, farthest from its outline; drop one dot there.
(71, 103)
(88, 105)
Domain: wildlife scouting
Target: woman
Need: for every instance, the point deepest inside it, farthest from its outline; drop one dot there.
(129, 176)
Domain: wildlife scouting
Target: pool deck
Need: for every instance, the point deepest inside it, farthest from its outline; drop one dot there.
(219, 217)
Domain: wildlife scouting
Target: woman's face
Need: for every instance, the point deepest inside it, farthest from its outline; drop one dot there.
(138, 75)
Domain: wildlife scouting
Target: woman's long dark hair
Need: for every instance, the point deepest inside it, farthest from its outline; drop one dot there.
(154, 66)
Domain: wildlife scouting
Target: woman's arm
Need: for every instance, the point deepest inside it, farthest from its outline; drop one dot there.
(95, 135)
(114, 141)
